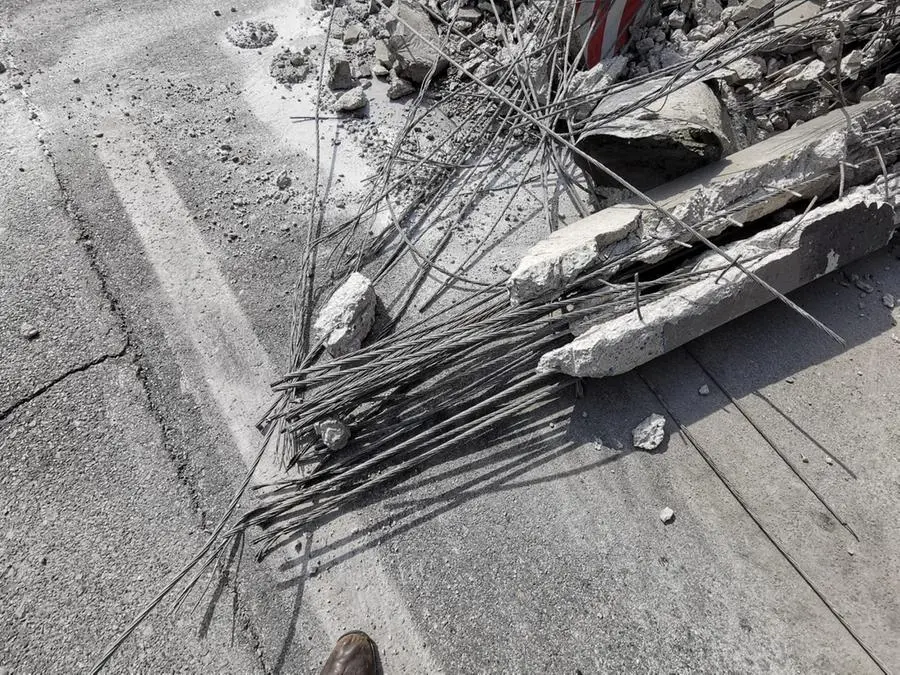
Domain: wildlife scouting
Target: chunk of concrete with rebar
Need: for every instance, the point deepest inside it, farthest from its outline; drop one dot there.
(804, 162)
(786, 256)
(347, 317)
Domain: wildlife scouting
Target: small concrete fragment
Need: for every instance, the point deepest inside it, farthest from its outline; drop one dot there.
(353, 33)
(351, 101)
(590, 83)
(398, 87)
(383, 53)
(334, 433)
(340, 76)
(703, 390)
(787, 256)
(667, 515)
(29, 332)
(283, 180)
(686, 128)
(553, 262)
(413, 55)
(650, 433)
(347, 317)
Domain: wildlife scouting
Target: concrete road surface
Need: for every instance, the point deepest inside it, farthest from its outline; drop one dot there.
(143, 236)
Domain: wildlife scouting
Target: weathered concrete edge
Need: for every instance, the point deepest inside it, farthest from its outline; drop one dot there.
(812, 246)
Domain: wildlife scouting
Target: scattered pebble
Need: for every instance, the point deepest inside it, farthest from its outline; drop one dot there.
(703, 390)
(888, 301)
(334, 433)
(790, 380)
(804, 459)
(283, 181)
(667, 515)
(649, 434)
(829, 461)
(29, 332)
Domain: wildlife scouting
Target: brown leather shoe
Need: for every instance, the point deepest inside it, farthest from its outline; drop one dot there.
(354, 654)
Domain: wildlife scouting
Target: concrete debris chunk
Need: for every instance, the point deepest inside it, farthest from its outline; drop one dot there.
(383, 53)
(334, 433)
(888, 301)
(589, 83)
(29, 332)
(811, 75)
(746, 11)
(398, 87)
(353, 33)
(351, 101)
(553, 262)
(746, 69)
(681, 131)
(414, 55)
(283, 180)
(649, 434)
(667, 515)
(703, 390)
(340, 76)
(347, 317)
(787, 256)
(889, 90)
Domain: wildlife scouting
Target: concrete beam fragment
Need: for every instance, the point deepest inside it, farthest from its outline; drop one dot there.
(802, 162)
(787, 256)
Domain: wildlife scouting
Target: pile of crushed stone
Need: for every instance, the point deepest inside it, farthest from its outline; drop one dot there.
(289, 67)
(251, 34)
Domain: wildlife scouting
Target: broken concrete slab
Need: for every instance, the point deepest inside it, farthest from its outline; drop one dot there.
(554, 262)
(787, 257)
(347, 317)
(413, 55)
(685, 128)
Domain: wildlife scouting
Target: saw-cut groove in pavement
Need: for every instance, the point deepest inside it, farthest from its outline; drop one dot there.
(237, 373)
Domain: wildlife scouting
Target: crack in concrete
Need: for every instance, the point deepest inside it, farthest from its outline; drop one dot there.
(44, 388)
(130, 346)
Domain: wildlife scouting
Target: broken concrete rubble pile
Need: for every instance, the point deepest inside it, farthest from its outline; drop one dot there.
(804, 175)
(757, 67)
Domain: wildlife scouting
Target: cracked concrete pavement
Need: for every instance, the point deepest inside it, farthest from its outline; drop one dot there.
(543, 552)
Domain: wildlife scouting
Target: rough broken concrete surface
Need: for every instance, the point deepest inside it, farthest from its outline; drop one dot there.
(787, 257)
(347, 317)
(555, 261)
(681, 131)
(414, 55)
